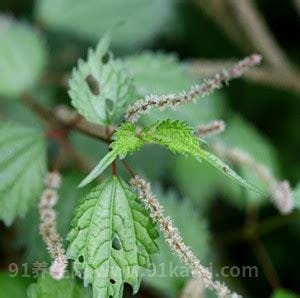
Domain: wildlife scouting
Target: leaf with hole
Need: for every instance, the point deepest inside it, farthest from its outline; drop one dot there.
(100, 87)
(111, 237)
(22, 169)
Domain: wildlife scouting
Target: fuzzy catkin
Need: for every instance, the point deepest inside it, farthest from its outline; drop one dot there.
(212, 128)
(174, 239)
(143, 106)
(48, 225)
(279, 191)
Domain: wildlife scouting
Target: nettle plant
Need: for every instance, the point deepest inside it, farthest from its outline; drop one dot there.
(115, 227)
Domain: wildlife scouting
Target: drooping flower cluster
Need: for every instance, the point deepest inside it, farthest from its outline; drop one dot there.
(175, 241)
(143, 106)
(48, 224)
(279, 191)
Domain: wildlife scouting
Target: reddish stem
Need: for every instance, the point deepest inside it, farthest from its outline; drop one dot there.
(114, 168)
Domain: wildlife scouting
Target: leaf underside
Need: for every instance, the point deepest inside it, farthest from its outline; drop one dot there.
(22, 169)
(112, 236)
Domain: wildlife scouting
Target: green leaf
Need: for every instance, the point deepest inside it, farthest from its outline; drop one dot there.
(22, 57)
(47, 287)
(169, 275)
(100, 87)
(135, 22)
(100, 167)
(13, 286)
(178, 137)
(225, 169)
(112, 236)
(175, 135)
(22, 169)
(204, 183)
(125, 142)
(242, 134)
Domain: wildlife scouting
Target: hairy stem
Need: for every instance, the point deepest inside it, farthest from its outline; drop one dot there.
(266, 263)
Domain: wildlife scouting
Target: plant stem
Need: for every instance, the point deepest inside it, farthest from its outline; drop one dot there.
(67, 119)
(266, 263)
(258, 248)
(38, 109)
(114, 168)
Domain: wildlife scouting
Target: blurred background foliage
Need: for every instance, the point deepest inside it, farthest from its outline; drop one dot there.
(167, 45)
